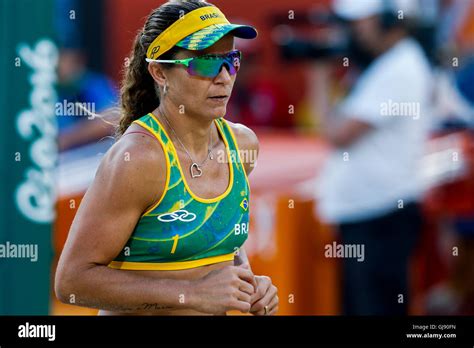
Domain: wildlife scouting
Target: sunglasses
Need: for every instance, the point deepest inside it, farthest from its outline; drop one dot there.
(208, 65)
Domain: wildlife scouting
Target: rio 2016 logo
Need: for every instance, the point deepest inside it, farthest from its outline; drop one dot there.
(35, 197)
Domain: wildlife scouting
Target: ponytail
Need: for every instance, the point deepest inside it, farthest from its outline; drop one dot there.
(138, 95)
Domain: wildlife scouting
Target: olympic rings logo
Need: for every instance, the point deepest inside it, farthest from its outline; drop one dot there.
(181, 215)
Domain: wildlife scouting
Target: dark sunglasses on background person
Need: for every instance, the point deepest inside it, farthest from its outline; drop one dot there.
(208, 65)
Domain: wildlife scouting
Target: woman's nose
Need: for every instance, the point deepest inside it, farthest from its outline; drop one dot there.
(224, 74)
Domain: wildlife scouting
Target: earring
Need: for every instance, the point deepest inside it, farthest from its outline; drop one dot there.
(165, 89)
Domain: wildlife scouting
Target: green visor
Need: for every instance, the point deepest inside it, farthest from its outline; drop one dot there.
(208, 36)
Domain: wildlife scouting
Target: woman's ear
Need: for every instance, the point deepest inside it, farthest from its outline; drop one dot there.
(156, 71)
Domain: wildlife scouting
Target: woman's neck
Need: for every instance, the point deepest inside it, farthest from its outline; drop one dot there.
(193, 132)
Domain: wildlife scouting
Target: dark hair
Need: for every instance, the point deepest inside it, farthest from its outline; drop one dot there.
(139, 93)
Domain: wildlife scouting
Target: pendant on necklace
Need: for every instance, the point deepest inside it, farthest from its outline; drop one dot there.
(196, 171)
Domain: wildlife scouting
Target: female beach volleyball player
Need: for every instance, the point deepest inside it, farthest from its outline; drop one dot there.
(160, 229)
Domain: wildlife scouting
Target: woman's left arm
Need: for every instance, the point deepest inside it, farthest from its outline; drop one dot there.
(265, 299)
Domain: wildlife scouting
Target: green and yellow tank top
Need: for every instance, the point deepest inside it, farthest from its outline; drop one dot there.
(182, 230)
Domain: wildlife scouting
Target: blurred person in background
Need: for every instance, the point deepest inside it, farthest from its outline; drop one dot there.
(87, 99)
(260, 100)
(454, 200)
(94, 97)
(370, 187)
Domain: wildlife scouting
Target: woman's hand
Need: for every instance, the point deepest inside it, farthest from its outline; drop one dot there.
(266, 295)
(222, 290)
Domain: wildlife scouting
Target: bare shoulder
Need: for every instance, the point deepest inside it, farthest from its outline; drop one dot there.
(248, 143)
(246, 138)
(136, 163)
(136, 152)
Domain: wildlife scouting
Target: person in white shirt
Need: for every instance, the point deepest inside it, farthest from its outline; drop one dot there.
(370, 186)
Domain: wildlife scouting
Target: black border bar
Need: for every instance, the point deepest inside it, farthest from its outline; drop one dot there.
(139, 331)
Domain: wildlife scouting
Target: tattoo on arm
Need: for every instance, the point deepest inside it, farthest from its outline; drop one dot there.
(124, 309)
(152, 306)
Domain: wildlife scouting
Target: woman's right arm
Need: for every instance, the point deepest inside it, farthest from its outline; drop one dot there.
(131, 178)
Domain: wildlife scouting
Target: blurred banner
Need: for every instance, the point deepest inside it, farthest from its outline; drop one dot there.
(28, 140)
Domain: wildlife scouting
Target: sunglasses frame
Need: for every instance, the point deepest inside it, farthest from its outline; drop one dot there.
(187, 61)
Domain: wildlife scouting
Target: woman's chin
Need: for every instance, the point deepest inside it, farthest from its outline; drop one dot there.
(217, 102)
(218, 111)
